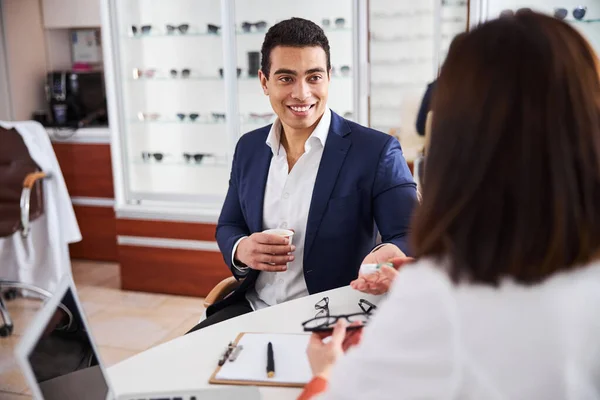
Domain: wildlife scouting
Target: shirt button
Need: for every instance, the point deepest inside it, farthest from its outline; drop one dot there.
(284, 224)
(286, 195)
(280, 281)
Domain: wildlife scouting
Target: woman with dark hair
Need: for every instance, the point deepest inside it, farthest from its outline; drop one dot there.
(504, 300)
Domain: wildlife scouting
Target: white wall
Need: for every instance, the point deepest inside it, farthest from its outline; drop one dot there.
(5, 103)
(26, 56)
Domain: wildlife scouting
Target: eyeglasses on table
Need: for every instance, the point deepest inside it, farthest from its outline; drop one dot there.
(323, 320)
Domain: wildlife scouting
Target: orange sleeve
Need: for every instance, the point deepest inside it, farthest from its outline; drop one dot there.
(314, 387)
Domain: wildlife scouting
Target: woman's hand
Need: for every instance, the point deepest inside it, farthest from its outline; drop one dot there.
(323, 354)
(379, 282)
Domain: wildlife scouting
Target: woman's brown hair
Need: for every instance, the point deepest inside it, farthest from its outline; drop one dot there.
(512, 184)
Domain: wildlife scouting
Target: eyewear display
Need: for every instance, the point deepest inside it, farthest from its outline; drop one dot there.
(185, 73)
(213, 28)
(142, 116)
(260, 26)
(578, 12)
(218, 116)
(262, 117)
(192, 116)
(144, 29)
(324, 321)
(183, 28)
(339, 22)
(147, 156)
(344, 70)
(238, 71)
(196, 157)
(147, 73)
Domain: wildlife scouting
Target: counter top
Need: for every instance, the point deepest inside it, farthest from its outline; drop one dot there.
(99, 135)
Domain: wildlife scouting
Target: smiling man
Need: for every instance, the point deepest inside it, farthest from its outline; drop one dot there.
(333, 182)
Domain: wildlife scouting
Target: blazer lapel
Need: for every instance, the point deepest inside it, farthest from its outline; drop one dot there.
(334, 154)
(258, 175)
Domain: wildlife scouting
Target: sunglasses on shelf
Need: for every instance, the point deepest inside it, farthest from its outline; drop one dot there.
(143, 29)
(146, 73)
(578, 12)
(344, 70)
(339, 22)
(264, 117)
(185, 73)
(196, 157)
(144, 116)
(238, 71)
(183, 28)
(192, 116)
(259, 26)
(147, 156)
(211, 28)
(218, 116)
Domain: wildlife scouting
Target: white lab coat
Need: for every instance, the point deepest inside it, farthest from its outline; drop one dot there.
(42, 258)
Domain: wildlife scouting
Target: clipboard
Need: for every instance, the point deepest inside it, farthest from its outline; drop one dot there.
(250, 366)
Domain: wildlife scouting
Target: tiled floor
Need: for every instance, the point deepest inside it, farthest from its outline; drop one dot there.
(123, 323)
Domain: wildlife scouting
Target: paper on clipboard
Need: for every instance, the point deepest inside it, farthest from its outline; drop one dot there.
(291, 362)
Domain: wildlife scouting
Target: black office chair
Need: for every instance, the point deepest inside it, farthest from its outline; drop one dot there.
(21, 202)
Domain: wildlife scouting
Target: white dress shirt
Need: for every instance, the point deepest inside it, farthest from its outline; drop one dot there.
(288, 195)
(432, 339)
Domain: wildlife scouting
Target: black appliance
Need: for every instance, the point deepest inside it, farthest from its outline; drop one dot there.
(76, 99)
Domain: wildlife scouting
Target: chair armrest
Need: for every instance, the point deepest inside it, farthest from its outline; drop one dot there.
(221, 290)
(28, 183)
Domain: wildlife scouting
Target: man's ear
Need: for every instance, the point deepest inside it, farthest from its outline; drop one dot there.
(263, 82)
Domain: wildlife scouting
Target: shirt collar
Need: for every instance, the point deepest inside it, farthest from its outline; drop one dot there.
(319, 134)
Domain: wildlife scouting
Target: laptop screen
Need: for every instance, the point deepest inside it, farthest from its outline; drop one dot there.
(63, 359)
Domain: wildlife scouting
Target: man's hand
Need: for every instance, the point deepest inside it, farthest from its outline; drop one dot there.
(379, 282)
(265, 252)
(384, 254)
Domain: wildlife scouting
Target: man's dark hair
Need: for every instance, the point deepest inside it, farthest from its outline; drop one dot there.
(294, 32)
(512, 186)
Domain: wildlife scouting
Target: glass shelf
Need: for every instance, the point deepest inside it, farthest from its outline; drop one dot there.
(166, 35)
(166, 122)
(199, 78)
(582, 21)
(326, 30)
(179, 163)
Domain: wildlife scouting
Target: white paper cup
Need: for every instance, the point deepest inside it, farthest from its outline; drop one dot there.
(281, 232)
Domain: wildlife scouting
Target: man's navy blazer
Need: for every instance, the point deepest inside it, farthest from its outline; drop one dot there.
(363, 185)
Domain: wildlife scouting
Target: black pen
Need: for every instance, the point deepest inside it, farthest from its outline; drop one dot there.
(270, 361)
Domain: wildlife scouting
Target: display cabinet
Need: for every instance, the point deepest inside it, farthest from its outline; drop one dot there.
(408, 42)
(582, 15)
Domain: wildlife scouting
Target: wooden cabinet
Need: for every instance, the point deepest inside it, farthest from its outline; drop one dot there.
(87, 170)
(71, 13)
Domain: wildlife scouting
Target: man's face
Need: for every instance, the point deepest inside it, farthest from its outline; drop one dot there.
(298, 85)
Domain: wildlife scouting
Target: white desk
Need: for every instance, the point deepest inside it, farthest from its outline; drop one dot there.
(186, 363)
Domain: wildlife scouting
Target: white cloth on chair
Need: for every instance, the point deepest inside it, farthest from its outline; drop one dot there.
(42, 258)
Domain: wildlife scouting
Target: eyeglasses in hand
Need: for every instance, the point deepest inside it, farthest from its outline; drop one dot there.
(183, 28)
